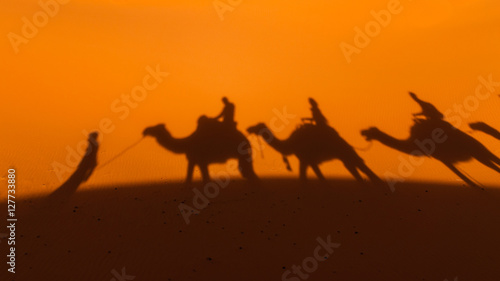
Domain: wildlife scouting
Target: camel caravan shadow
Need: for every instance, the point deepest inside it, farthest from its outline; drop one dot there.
(433, 137)
(315, 142)
(216, 142)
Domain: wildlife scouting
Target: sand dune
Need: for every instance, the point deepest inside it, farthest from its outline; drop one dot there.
(423, 231)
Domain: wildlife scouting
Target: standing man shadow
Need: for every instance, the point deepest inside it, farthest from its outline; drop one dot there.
(83, 171)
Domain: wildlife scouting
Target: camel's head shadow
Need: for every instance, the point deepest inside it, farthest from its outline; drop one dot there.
(257, 129)
(153, 130)
(370, 133)
(478, 126)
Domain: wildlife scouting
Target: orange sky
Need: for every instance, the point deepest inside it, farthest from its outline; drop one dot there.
(263, 56)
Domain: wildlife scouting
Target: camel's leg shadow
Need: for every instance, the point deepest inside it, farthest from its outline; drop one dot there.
(462, 176)
(354, 172)
(246, 169)
(489, 163)
(189, 176)
(318, 172)
(205, 176)
(302, 172)
(370, 174)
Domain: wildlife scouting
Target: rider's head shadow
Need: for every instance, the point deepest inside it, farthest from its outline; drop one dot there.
(313, 102)
(429, 111)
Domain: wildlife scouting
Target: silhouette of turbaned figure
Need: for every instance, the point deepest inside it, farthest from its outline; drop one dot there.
(227, 113)
(84, 169)
(317, 117)
(428, 110)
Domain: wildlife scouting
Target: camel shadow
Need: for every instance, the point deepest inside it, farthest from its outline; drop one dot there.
(211, 142)
(438, 139)
(313, 145)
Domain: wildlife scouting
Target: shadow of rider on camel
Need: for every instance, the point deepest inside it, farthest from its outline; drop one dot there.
(313, 143)
(317, 116)
(433, 137)
(213, 141)
(429, 111)
(227, 113)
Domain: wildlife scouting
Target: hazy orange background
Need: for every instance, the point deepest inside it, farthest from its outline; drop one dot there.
(264, 55)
